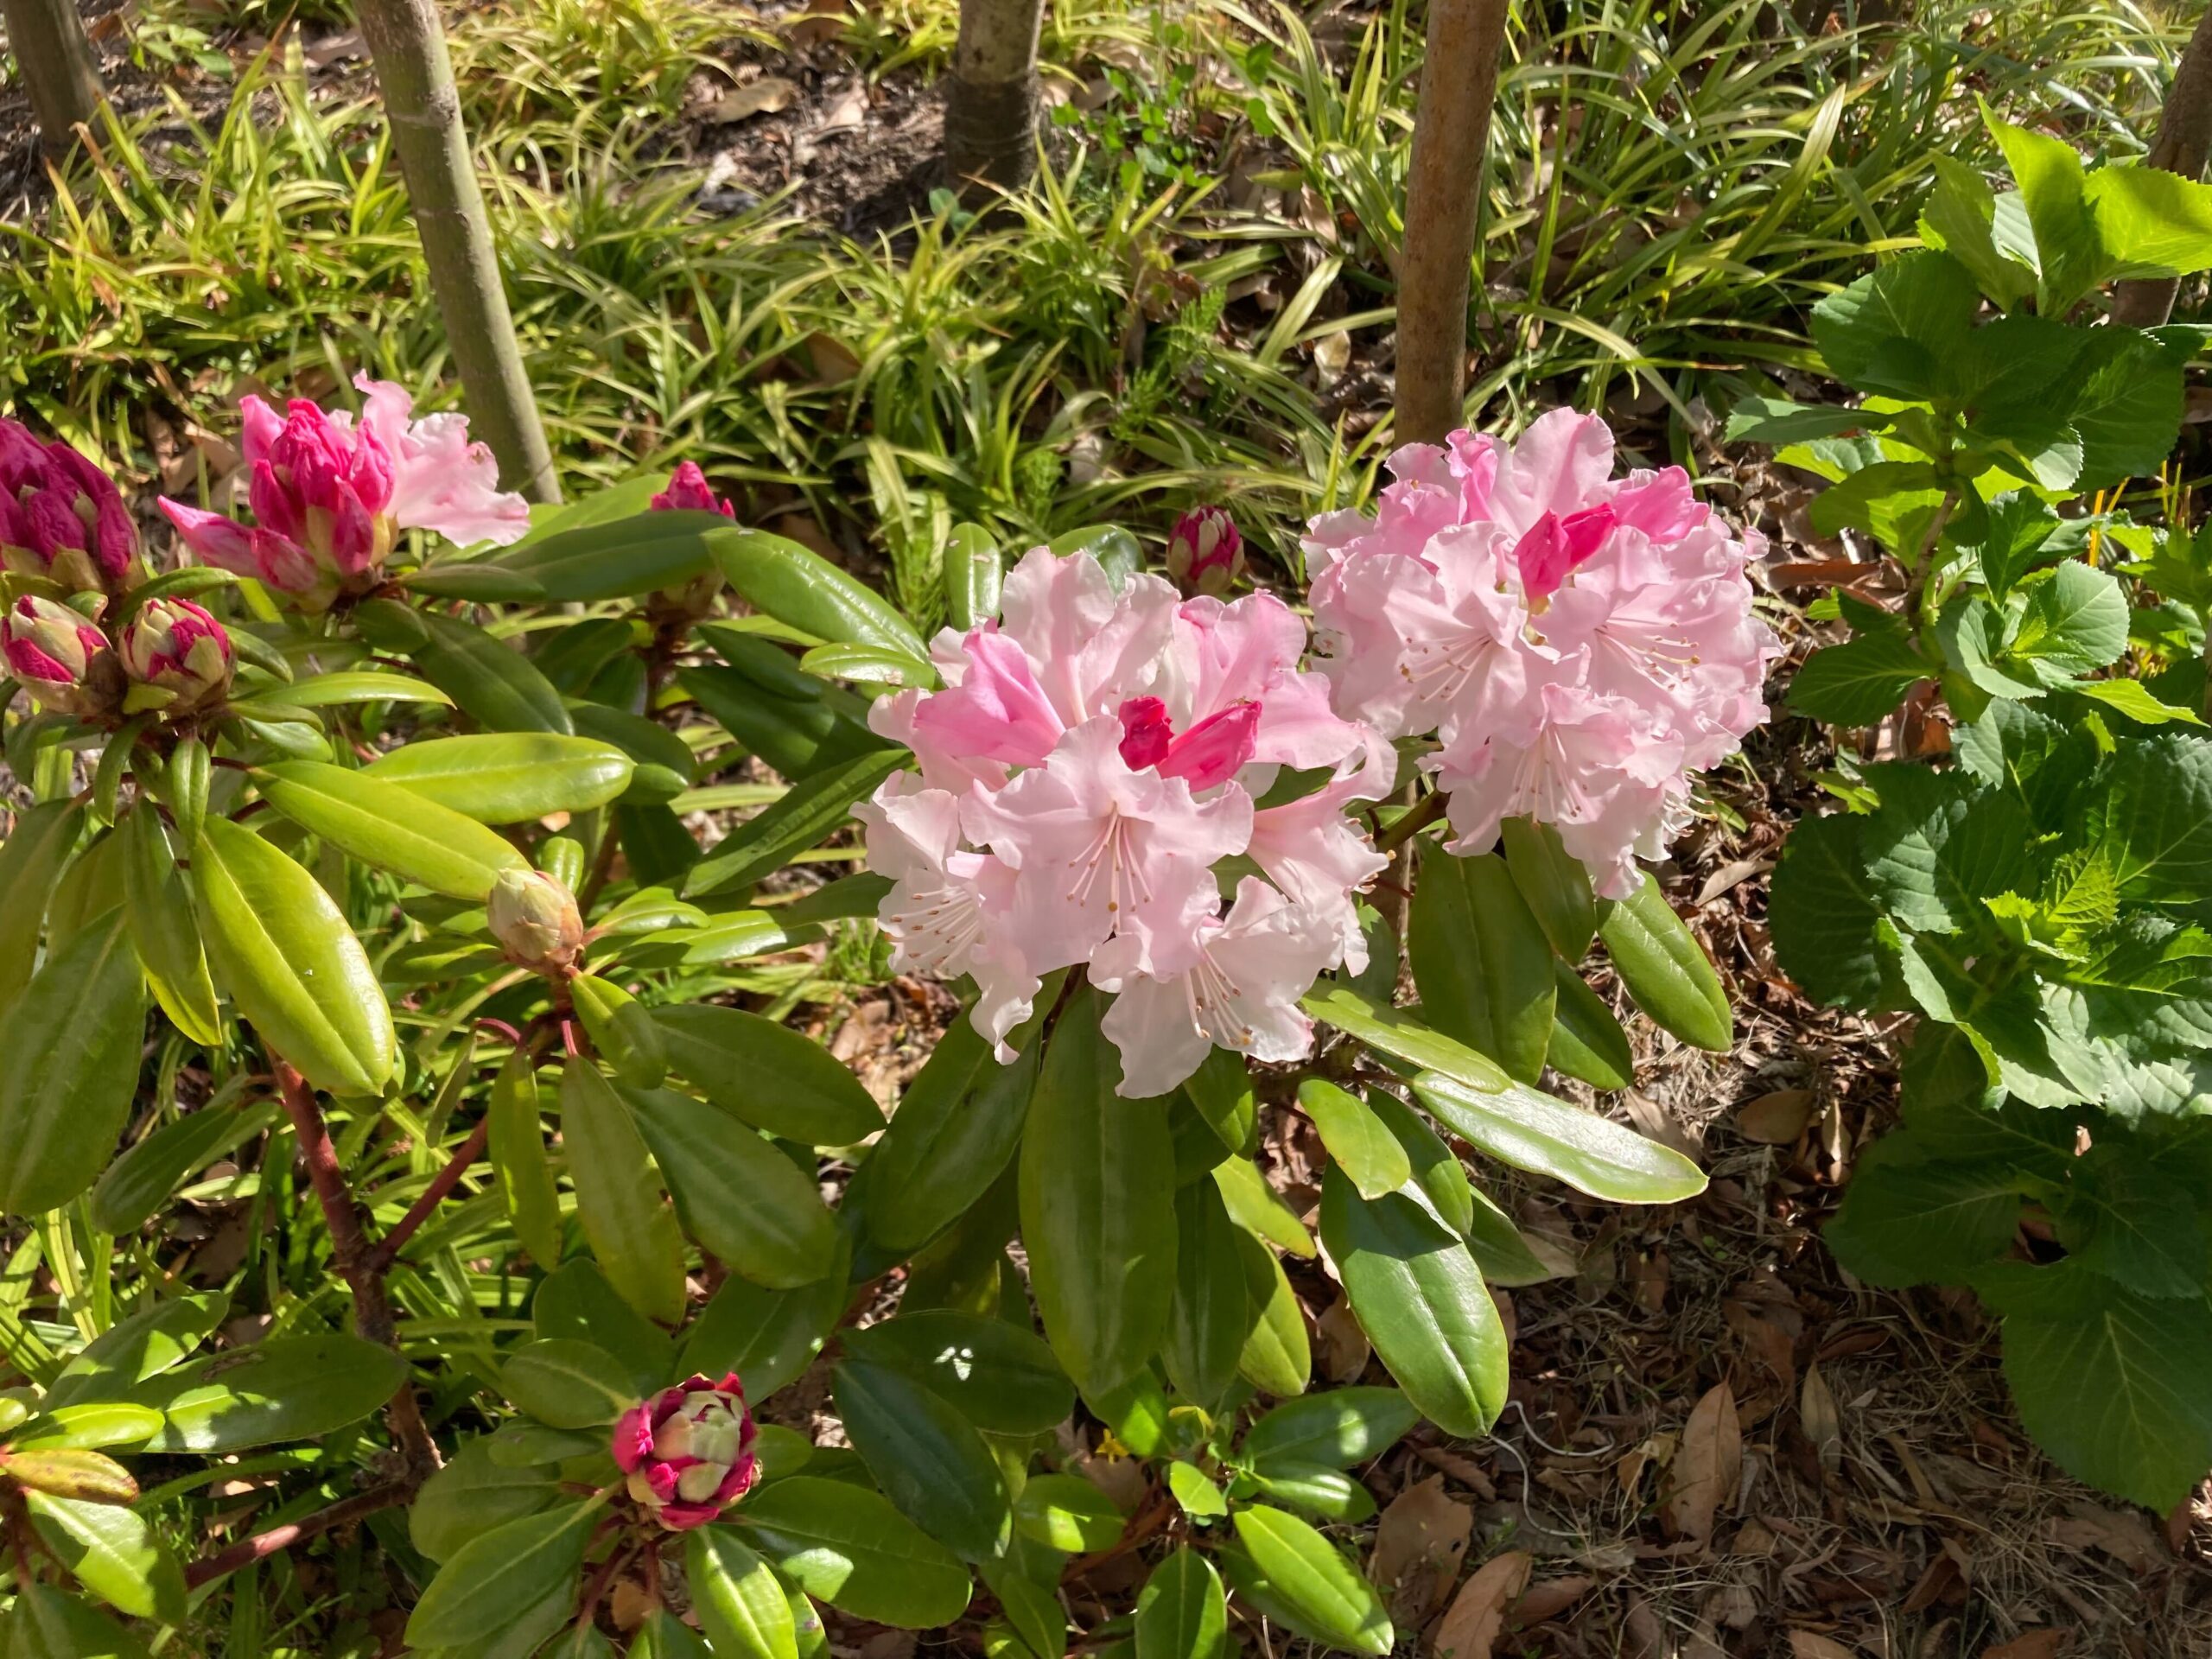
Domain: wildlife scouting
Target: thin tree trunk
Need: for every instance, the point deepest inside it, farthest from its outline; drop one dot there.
(2183, 145)
(1458, 83)
(55, 62)
(408, 45)
(991, 107)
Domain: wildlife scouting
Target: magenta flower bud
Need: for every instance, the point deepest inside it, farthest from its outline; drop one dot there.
(177, 656)
(1205, 554)
(61, 518)
(1207, 753)
(688, 492)
(60, 657)
(534, 919)
(688, 1451)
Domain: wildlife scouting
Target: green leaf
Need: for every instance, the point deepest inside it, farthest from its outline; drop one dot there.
(144, 1345)
(361, 685)
(1212, 1314)
(1545, 1135)
(1195, 1493)
(2128, 411)
(1306, 1570)
(498, 1576)
(69, 1068)
(799, 586)
(2152, 223)
(2133, 700)
(955, 1131)
(1907, 1223)
(1096, 1215)
(31, 862)
(281, 947)
(2134, 1222)
(1255, 1206)
(620, 559)
(737, 1195)
(665, 766)
(1423, 1304)
(471, 1495)
(797, 731)
(2110, 1383)
(1067, 1512)
(854, 1550)
(1004, 1379)
(143, 1179)
(1358, 1140)
(517, 1151)
(1439, 1178)
(568, 1384)
(773, 1078)
(621, 1028)
(87, 1424)
(810, 811)
(767, 1337)
(1958, 218)
(1777, 419)
(1501, 1253)
(1823, 911)
(1034, 1611)
(974, 570)
(1661, 965)
(1338, 1429)
(1314, 1487)
(578, 1301)
(868, 666)
(1857, 682)
(48, 1624)
(482, 583)
(1181, 1613)
(1277, 1358)
(2052, 186)
(112, 1552)
(281, 1389)
(1481, 962)
(508, 777)
(1891, 330)
(2154, 824)
(1586, 1041)
(925, 1455)
(491, 681)
(389, 828)
(163, 928)
(620, 1198)
(740, 1605)
(2076, 621)
(1553, 884)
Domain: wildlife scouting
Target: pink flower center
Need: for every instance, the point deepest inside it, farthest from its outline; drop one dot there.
(1202, 755)
(1554, 546)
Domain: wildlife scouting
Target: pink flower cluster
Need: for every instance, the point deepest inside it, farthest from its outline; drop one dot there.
(329, 496)
(61, 516)
(1087, 787)
(1579, 644)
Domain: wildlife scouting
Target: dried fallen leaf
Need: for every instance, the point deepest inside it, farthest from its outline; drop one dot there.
(1810, 1644)
(1731, 875)
(1470, 1629)
(1331, 355)
(1776, 1120)
(1703, 1475)
(763, 97)
(1342, 1346)
(2031, 1645)
(848, 113)
(335, 48)
(1549, 1597)
(832, 360)
(1821, 1423)
(1655, 1453)
(2127, 1538)
(1419, 1544)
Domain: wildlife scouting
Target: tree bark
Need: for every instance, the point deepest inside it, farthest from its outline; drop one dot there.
(2183, 145)
(990, 107)
(55, 61)
(1458, 83)
(408, 46)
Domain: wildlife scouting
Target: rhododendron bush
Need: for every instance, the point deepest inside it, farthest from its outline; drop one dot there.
(429, 879)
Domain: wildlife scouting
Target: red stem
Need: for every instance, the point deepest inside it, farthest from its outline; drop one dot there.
(247, 1551)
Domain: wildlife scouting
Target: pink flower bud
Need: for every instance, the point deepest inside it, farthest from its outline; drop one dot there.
(534, 919)
(1550, 548)
(174, 647)
(61, 516)
(688, 492)
(688, 1451)
(61, 658)
(1205, 553)
(1203, 754)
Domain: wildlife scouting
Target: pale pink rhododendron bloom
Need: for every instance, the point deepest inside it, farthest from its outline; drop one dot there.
(1579, 644)
(330, 495)
(1087, 771)
(688, 1453)
(61, 516)
(55, 652)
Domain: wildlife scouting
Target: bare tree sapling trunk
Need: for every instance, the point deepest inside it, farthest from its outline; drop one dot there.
(414, 73)
(55, 62)
(990, 105)
(2183, 145)
(1458, 83)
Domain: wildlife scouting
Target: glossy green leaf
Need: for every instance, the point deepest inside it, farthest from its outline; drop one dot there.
(580, 1302)
(621, 1028)
(955, 1131)
(1662, 966)
(162, 929)
(1314, 1487)
(1545, 1136)
(740, 1605)
(1553, 885)
(1586, 1041)
(1338, 1430)
(1421, 1302)
(775, 1079)
(767, 1337)
(490, 1581)
(1181, 1613)
(1031, 1608)
(1278, 1357)
(361, 685)
(144, 1345)
(926, 1457)
(87, 1424)
(1255, 1206)
(1195, 1495)
(799, 586)
(1098, 1216)
(69, 1068)
(113, 1553)
(389, 828)
(1211, 1315)
(808, 814)
(48, 1625)
(508, 777)
(737, 1195)
(1067, 1512)
(31, 862)
(797, 731)
(625, 1210)
(492, 683)
(281, 947)
(1003, 1378)
(868, 666)
(1307, 1572)
(1221, 1090)
(1438, 1176)
(75, 1473)
(472, 1495)
(852, 1549)
(1481, 962)
(975, 571)
(143, 1179)
(1357, 1140)
(281, 1389)
(568, 1384)
(620, 559)
(517, 1152)
(664, 766)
